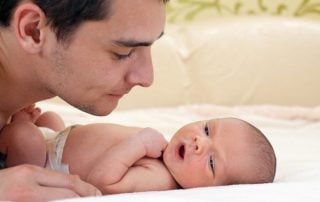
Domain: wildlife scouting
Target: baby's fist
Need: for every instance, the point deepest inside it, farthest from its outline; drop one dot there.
(153, 141)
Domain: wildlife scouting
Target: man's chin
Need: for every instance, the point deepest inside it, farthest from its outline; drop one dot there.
(97, 110)
(103, 111)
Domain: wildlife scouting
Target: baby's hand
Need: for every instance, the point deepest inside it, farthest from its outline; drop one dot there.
(153, 141)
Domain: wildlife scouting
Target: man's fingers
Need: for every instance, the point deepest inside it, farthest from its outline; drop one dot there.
(41, 177)
(33, 183)
(49, 178)
(46, 194)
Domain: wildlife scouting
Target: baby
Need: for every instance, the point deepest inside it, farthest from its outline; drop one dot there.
(118, 159)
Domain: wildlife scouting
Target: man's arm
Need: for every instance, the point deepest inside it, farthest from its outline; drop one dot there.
(33, 183)
(115, 162)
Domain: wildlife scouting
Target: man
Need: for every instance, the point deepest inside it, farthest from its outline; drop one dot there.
(90, 53)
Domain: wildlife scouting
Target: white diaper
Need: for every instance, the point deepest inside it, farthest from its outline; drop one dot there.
(55, 145)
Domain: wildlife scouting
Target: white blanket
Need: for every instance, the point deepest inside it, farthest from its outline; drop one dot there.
(293, 131)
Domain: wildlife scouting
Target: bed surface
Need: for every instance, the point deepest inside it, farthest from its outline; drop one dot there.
(293, 131)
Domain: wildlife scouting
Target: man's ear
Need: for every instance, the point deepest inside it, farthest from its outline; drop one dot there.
(29, 25)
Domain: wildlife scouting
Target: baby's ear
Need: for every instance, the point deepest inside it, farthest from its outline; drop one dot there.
(29, 22)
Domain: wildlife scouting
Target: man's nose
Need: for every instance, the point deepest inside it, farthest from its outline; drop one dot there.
(141, 72)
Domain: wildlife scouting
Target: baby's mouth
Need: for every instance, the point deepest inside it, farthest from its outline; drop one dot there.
(181, 151)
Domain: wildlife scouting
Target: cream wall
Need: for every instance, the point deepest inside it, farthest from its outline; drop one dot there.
(243, 60)
(235, 52)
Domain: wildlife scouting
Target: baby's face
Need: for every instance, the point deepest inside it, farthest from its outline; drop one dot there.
(208, 153)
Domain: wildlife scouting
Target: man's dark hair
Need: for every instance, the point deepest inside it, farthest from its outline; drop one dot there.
(64, 16)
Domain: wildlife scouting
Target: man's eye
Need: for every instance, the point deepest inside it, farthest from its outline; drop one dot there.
(122, 56)
(206, 130)
(211, 163)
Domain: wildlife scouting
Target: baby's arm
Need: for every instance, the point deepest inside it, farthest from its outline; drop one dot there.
(117, 168)
(145, 175)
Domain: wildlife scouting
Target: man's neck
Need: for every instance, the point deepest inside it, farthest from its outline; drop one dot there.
(18, 86)
(12, 101)
(4, 116)
(15, 96)
(16, 91)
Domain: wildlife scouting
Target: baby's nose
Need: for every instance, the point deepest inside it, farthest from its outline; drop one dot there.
(198, 145)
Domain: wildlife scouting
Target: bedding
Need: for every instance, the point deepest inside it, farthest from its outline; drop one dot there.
(293, 131)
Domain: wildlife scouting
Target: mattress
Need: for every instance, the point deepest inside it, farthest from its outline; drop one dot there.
(293, 131)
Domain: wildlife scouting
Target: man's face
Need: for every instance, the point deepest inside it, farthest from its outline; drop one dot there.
(105, 59)
(208, 153)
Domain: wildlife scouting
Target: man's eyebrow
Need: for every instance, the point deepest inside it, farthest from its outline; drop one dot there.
(134, 43)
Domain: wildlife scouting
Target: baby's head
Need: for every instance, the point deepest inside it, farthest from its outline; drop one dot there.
(220, 152)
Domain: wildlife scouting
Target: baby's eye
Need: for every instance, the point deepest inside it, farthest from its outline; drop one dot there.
(206, 130)
(211, 163)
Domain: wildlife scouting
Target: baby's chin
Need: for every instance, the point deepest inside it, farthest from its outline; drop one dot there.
(165, 161)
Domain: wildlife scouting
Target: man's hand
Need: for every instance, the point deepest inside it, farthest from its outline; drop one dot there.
(32, 183)
(153, 141)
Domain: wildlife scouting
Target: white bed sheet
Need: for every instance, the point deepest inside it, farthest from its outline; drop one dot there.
(293, 131)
